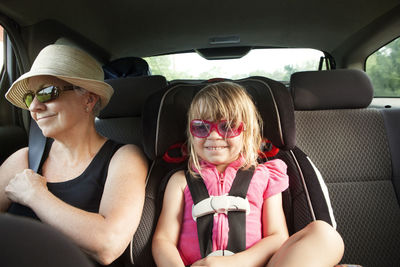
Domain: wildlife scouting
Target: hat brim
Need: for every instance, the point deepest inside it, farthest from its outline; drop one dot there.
(20, 87)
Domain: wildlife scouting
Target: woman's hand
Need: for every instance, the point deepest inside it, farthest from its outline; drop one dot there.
(24, 186)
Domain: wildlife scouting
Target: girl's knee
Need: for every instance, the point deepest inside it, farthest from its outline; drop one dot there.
(320, 227)
(326, 234)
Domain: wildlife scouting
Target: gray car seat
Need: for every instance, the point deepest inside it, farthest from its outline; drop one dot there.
(355, 152)
(121, 119)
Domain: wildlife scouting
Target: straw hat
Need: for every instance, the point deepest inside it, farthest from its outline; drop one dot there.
(66, 63)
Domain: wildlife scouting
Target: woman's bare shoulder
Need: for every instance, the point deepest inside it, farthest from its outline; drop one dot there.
(128, 161)
(130, 150)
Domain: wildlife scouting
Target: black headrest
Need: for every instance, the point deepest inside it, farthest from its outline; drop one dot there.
(333, 89)
(165, 114)
(126, 67)
(130, 94)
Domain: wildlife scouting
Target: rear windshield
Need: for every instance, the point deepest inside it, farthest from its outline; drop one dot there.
(277, 64)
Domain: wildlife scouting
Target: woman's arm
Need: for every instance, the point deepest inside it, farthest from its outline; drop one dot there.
(106, 234)
(14, 164)
(274, 232)
(166, 237)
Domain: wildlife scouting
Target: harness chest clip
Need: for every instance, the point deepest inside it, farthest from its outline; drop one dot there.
(220, 204)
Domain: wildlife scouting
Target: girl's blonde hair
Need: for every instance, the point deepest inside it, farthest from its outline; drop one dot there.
(227, 101)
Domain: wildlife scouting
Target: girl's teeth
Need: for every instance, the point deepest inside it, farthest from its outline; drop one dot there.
(216, 148)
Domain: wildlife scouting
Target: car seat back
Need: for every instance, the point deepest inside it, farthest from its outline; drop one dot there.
(121, 119)
(349, 144)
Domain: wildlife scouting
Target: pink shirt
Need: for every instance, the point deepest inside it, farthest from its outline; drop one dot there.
(269, 179)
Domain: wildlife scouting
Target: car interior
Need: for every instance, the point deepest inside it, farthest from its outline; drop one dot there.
(334, 121)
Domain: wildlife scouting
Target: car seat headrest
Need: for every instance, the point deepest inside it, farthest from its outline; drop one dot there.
(333, 89)
(126, 67)
(165, 114)
(130, 94)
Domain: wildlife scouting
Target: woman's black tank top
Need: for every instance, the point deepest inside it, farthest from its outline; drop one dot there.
(84, 191)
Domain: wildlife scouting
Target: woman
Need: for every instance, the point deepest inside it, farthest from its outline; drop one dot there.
(88, 187)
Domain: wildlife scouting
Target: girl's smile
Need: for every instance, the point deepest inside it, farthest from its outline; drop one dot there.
(215, 147)
(218, 150)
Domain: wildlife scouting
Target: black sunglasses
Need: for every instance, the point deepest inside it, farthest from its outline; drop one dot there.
(46, 94)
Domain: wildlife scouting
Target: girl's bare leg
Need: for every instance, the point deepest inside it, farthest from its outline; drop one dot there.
(318, 244)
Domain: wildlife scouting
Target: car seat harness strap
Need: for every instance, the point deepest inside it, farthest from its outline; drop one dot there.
(204, 208)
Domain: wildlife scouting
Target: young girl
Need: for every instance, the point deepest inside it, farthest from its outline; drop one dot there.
(224, 135)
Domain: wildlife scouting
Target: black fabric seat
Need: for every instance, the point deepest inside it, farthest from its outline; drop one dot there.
(27, 242)
(164, 119)
(356, 148)
(16, 139)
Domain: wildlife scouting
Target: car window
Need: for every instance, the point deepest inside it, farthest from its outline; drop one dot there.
(383, 67)
(277, 64)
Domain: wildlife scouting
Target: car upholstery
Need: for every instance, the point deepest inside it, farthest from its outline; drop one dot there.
(349, 144)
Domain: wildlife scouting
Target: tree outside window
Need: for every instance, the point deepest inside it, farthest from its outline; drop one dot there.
(383, 67)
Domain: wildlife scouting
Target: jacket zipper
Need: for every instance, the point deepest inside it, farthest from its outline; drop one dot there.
(221, 219)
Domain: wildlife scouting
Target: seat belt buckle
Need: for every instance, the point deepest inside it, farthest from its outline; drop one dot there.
(220, 204)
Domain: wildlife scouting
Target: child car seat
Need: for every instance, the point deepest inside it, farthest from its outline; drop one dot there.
(164, 125)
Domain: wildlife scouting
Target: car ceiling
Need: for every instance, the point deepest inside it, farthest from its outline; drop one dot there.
(144, 28)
